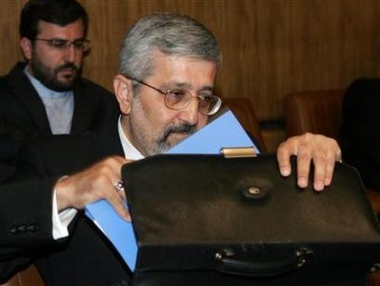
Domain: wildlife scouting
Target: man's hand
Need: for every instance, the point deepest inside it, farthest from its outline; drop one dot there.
(319, 149)
(92, 184)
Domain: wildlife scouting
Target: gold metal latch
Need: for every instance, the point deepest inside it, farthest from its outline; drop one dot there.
(238, 152)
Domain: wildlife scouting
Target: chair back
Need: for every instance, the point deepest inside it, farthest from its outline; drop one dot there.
(28, 277)
(316, 111)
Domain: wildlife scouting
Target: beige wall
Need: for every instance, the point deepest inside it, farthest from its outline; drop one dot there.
(270, 47)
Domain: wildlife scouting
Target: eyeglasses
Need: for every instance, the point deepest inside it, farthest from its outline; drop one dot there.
(177, 99)
(62, 44)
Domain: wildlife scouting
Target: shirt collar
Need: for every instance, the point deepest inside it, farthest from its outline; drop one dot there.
(42, 90)
(130, 151)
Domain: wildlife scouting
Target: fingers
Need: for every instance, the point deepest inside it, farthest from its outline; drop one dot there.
(310, 149)
(92, 184)
(303, 168)
(284, 151)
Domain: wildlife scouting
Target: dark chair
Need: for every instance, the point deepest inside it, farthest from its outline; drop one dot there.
(314, 111)
(28, 277)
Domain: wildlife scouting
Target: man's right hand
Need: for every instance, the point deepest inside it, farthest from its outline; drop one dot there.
(92, 184)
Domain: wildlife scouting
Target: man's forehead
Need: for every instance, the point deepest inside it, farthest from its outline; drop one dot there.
(76, 26)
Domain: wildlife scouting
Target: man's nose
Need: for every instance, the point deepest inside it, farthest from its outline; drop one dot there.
(71, 53)
(190, 113)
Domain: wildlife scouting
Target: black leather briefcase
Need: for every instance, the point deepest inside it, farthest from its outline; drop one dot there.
(208, 220)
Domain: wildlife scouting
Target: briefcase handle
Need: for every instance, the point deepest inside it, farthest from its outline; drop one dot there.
(229, 265)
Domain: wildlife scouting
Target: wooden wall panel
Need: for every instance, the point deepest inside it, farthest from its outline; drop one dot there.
(313, 45)
(270, 47)
(9, 36)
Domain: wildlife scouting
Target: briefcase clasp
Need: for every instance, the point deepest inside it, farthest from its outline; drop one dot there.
(238, 152)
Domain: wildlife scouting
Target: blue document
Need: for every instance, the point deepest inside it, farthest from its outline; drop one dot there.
(223, 132)
(117, 230)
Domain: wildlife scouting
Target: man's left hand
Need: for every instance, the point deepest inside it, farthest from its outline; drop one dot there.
(321, 150)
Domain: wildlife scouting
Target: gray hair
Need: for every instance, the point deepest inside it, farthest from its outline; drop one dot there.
(171, 34)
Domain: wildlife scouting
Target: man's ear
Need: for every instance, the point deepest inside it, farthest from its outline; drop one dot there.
(124, 93)
(26, 47)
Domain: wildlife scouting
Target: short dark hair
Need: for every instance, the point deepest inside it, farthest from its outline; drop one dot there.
(59, 12)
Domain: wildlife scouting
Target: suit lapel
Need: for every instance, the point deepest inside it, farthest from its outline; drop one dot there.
(83, 109)
(24, 91)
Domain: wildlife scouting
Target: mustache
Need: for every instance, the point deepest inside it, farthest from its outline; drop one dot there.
(67, 66)
(181, 128)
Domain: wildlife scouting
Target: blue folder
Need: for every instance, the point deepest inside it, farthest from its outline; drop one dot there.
(223, 132)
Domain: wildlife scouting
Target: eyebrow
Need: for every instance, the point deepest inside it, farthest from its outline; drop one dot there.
(188, 86)
(62, 39)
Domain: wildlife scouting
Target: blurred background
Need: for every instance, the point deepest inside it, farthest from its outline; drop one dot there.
(270, 47)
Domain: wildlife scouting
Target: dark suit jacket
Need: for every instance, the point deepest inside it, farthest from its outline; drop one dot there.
(360, 131)
(86, 257)
(23, 115)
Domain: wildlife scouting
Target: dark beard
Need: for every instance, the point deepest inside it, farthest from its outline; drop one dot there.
(48, 77)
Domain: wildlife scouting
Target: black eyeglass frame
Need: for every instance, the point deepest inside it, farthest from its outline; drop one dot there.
(214, 109)
(60, 44)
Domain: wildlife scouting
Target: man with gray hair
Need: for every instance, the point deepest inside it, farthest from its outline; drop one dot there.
(168, 66)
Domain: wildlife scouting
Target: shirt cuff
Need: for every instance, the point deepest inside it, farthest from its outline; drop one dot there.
(61, 220)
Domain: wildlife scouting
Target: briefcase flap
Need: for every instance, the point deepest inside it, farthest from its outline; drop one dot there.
(241, 216)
